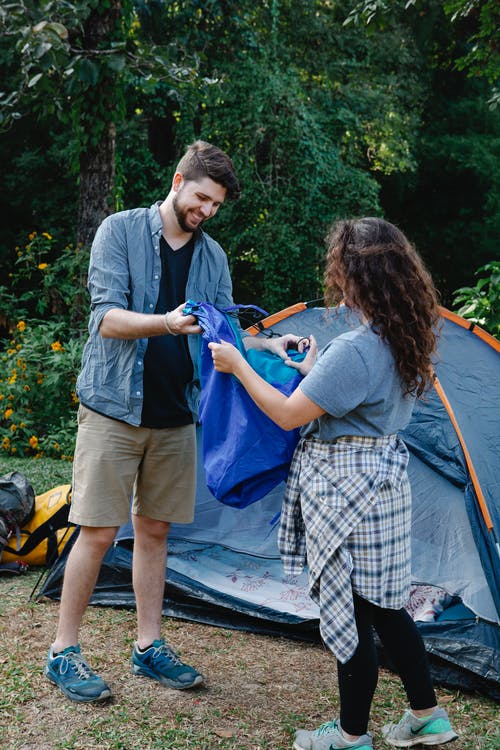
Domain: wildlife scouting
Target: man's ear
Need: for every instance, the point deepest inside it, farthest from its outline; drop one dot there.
(177, 181)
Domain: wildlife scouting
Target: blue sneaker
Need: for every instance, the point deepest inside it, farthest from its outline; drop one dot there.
(161, 663)
(429, 730)
(71, 673)
(329, 737)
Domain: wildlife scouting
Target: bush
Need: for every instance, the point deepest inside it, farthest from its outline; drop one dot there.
(41, 352)
(481, 303)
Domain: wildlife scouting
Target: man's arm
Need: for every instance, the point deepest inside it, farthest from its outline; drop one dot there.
(127, 324)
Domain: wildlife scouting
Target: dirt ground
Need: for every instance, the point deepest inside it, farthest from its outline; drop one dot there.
(258, 690)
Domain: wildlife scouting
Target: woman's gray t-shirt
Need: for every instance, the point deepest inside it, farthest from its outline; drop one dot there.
(356, 382)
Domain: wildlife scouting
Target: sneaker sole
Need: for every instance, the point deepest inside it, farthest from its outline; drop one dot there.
(74, 696)
(141, 672)
(434, 739)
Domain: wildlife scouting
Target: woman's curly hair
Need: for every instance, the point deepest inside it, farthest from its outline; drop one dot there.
(373, 268)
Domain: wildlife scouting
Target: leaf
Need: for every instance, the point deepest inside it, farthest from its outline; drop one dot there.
(34, 80)
(88, 72)
(117, 63)
(42, 48)
(59, 29)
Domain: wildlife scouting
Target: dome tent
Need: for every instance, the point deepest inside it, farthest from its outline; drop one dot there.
(225, 569)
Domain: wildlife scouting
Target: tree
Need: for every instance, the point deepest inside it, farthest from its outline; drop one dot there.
(74, 60)
(308, 110)
(479, 19)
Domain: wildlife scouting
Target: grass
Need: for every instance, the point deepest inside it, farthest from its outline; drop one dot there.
(259, 688)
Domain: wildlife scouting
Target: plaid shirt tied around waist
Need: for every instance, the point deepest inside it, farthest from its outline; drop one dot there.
(347, 514)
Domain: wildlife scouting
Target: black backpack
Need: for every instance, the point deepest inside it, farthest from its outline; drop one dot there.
(17, 506)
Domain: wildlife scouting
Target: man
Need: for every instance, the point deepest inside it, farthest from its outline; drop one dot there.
(137, 392)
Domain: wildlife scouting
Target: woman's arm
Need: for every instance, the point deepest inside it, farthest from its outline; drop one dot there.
(288, 412)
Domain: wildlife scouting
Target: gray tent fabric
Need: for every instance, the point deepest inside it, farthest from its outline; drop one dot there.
(225, 569)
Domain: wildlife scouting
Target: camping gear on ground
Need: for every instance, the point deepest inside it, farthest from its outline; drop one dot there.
(47, 531)
(17, 504)
(224, 568)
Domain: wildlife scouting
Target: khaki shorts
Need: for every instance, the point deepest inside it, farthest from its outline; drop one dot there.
(115, 460)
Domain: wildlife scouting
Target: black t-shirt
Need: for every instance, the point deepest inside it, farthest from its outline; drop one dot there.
(167, 364)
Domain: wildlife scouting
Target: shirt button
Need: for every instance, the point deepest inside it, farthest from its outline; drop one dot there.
(156, 276)
(137, 393)
(139, 362)
(150, 305)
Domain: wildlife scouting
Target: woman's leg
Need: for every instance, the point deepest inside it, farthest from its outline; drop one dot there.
(403, 642)
(358, 677)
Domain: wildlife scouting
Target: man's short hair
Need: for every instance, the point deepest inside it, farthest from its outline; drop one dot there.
(203, 159)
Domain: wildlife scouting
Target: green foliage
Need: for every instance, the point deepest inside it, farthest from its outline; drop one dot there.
(41, 352)
(74, 58)
(46, 281)
(309, 111)
(37, 390)
(479, 18)
(481, 303)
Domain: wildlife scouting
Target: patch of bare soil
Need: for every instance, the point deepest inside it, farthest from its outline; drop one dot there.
(258, 688)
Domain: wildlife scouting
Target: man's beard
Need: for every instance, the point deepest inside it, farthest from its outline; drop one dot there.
(181, 216)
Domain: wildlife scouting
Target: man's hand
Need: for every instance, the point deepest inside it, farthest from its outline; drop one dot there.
(178, 323)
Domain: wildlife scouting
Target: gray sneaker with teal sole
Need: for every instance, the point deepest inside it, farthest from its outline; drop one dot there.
(429, 730)
(71, 673)
(161, 663)
(329, 737)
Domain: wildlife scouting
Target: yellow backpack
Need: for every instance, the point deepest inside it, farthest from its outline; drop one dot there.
(47, 532)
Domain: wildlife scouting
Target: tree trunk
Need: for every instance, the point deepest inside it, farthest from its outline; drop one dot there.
(97, 120)
(97, 179)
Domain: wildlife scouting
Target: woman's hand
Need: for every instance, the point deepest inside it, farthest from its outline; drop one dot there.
(307, 363)
(225, 356)
(281, 344)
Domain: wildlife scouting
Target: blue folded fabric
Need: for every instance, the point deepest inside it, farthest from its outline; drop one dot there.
(245, 454)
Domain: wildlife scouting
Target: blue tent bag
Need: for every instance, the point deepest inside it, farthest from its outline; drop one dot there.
(245, 454)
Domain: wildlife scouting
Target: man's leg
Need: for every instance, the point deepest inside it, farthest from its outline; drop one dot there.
(65, 665)
(148, 576)
(107, 455)
(151, 656)
(80, 576)
(164, 490)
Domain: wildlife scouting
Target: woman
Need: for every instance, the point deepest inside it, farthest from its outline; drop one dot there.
(347, 508)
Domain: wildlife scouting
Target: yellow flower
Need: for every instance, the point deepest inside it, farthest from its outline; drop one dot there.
(14, 449)
(39, 378)
(47, 235)
(22, 424)
(26, 388)
(56, 446)
(21, 326)
(2, 397)
(33, 441)
(56, 346)
(74, 397)
(7, 413)
(31, 236)
(6, 443)
(10, 352)
(42, 266)
(13, 427)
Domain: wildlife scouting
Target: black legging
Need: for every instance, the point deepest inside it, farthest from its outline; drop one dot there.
(358, 677)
